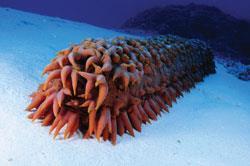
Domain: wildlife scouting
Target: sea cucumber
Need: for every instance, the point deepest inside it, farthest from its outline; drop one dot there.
(106, 88)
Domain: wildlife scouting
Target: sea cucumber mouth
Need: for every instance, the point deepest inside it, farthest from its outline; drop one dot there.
(104, 88)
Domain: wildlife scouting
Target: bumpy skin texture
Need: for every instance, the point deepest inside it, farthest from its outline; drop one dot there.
(106, 88)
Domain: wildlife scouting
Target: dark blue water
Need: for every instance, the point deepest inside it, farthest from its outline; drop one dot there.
(112, 13)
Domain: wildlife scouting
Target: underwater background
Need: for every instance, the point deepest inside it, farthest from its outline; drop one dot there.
(208, 126)
(112, 13)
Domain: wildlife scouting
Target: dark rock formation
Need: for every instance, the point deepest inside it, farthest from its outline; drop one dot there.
(225, 33)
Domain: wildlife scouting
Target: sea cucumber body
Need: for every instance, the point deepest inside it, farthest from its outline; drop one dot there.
(109, 87)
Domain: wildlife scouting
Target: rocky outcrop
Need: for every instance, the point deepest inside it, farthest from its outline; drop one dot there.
(224, 33)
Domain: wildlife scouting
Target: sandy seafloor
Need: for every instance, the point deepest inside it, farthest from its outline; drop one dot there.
(209, 126)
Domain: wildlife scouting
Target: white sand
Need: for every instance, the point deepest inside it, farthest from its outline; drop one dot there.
(209, 126)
